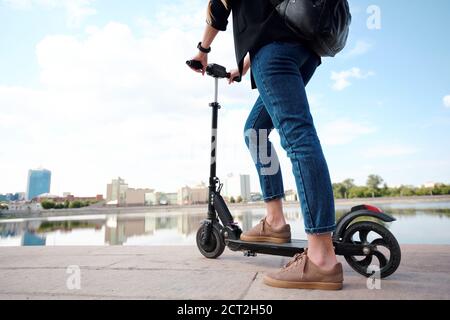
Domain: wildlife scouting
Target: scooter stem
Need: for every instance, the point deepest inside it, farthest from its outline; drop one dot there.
(216, 90)
(213, 165)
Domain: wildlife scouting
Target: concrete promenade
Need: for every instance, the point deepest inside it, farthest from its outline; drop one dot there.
(182, 273)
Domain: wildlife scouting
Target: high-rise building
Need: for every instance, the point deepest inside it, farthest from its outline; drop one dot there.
(117, 191)
(237, 186)
(38, 183)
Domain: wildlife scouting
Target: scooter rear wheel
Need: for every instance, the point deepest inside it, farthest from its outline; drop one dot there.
(387, 250)
(216, 245)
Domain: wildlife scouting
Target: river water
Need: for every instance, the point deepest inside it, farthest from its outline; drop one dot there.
(417, 223)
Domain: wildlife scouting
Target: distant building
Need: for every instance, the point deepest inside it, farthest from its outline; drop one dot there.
(119, 194)
(21, 196)
(10, 197)
(38, 183)
(152, 198)
(161, 198)
(23, 206)
(237, 186)
(172, 198)
(136, 197)
(290, 195)
(116, 191)
(46, 196)
(193, 195)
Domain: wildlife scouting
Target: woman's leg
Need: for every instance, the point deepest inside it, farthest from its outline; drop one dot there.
(256, 132)
(274, 208)
(320, 247)
(276, 68)
(275, 214)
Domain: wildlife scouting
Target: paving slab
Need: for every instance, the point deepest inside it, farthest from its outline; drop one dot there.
(175, 272)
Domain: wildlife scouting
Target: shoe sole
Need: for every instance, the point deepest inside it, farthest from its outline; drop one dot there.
(264, 239)
(302, 285)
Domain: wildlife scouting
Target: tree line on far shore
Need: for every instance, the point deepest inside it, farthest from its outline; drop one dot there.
(376, 187)
(50, 204)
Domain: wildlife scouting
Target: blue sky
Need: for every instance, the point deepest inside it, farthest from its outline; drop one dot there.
(404, 99)
(107, 78)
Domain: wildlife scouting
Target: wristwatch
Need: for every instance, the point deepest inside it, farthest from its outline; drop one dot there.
(204, 50)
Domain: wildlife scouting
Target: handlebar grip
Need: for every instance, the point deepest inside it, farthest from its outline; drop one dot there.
(236, 79)
(194, 64)
(213, 70)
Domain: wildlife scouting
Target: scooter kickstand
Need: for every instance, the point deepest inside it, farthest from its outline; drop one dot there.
(249, 253)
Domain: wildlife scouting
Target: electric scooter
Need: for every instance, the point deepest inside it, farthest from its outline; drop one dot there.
(351, 238)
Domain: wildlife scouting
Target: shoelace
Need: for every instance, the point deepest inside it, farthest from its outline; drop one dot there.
(297, 258)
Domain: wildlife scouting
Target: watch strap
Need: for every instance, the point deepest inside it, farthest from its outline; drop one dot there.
(204, 50)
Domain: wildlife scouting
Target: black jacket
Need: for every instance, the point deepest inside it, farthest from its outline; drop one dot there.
(255, 24)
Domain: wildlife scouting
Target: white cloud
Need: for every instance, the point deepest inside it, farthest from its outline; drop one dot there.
(389, 151)
(343, 131)
(342, 79)
(110, 104)
(360, 48)
(76, 10)
(113, 103)
(446, 101)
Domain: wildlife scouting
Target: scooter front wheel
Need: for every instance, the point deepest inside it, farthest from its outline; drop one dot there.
(214, 247)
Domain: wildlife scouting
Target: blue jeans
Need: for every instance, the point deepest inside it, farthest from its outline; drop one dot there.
(281, 72)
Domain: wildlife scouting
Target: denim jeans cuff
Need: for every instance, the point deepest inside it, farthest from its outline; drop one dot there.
(276, 197)
(321, 230)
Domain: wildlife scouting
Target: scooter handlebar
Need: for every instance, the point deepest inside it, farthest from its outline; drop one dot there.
(236, 79)
(213, 70)
(194, 64)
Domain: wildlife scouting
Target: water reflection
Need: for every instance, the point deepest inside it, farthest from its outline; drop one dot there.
(414, 225)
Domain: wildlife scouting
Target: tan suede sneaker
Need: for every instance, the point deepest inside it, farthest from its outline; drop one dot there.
(263, 232)
(301, 273)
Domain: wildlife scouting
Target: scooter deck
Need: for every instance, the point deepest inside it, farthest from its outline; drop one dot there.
(286, 249)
